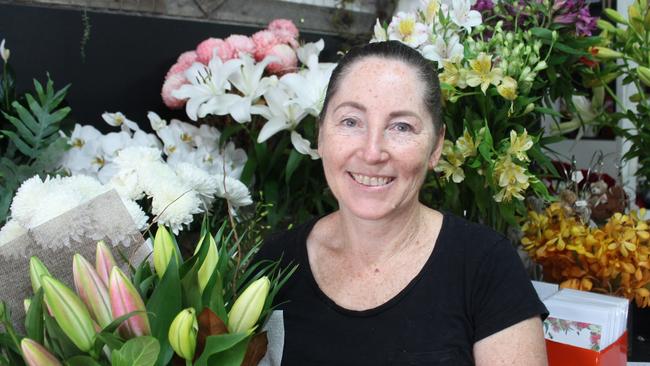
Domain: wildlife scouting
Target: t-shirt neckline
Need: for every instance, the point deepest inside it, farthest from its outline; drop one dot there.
(388, 304)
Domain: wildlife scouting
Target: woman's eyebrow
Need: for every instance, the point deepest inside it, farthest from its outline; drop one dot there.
(351, 104)
(404, 113)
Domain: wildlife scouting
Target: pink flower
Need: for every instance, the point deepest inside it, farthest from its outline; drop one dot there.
(285, 31)
(173, 82)
(286, 55)
(185, 60)
(264, 41)
(241, 44)
(206, 49)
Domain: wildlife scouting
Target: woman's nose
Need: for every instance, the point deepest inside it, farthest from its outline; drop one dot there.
(374, 148)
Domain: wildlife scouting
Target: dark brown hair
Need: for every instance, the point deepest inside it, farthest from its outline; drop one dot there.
(398, 51)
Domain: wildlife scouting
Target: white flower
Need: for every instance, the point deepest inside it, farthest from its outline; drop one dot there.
(84, 156)
(302, 145)
(141, 138)
(117, 119)
(282, 113)
(309, 49)
(178, 138)
(27, 199)
(310, 84)
(135, 211)
(112, 143)
(405, 28)
(444, 50)
(156, 122)
(4, 52)
(175, 205)
(380, 34)
(430, 9)
(126, 184)
(249, 81)
(12, 230)
(135, 158)
(234, 191)
(154, 175)
(83, 186)
(207, 136)
(462, 15)
(197, 179)
(207, 92)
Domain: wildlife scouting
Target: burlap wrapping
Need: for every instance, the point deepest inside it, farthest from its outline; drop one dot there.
(56, 241)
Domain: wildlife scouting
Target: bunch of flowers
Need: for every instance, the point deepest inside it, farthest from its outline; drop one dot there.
(208, 307)
(613, 258)
(498, 67)
(254, 88)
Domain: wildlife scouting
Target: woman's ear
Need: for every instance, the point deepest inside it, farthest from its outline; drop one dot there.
(437, 149)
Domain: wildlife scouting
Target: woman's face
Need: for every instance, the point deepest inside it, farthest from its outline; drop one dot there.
(377, 139)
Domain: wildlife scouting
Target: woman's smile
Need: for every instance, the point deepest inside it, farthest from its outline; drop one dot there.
(371, 180)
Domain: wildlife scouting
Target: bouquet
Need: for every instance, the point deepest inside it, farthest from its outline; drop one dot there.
(203, 310)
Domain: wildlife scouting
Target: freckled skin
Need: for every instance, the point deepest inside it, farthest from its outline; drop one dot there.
(380, 96)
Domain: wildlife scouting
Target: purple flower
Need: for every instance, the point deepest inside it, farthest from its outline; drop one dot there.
(574, 12)
(483, 5)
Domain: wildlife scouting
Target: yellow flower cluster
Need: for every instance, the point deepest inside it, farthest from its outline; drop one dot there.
(454, 155)
(611, 259)
(480, 72)
(512, 178)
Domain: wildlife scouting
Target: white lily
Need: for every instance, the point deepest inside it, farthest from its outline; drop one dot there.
(309, 85)
(117, 119)
(156, 122)
(463, 16)
(282, 113)
(380, 34)
(207, 92)
(444, 50)
(308, 49)
(303, 146)
(249, 81)
(4, 52)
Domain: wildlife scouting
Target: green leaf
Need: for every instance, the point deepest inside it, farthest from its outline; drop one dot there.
(111, 340)
(164, 304)
(140, 351)
(543, 33)
(219, 343)
(232, 356)
(34, 324)
(570, 50)
(294, 161)
(82, 361)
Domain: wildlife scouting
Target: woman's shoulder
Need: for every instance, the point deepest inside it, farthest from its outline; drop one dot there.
(470, 237)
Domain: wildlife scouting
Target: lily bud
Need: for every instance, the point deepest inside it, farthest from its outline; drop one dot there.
(605, 25)
(540, 66)
(37, 355)
(104, 261)
(605, 53)
(26, 304)
(634, 17)
(210, 262)
(183, 332)
(69, 312)
(246, 310)
(529, 108)
(615, 16)
(644, 74)
(124, 300)
(92, 290)
(163, 250)
(37, 270)
(4, 52)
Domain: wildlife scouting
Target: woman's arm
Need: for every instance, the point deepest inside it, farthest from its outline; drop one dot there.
(520, 344)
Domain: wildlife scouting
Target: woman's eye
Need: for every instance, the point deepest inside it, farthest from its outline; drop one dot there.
(349, 122)
(402, 127)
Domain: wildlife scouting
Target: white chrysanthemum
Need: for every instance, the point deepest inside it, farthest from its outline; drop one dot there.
(27, 199)
(11, 231)
(233, 191)
(197, 179)
(175, 205)
(139, 217)
(135, 157)
(126, 183)
(84, 186)
(155, 175)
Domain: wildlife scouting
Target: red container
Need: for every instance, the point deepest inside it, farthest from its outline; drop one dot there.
(560, 354)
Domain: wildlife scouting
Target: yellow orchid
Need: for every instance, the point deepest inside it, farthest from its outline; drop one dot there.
(482, 73)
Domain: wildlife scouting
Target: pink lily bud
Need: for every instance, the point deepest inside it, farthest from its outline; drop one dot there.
(104, 261)
(124, 300)
(37, 355)
(92, 290)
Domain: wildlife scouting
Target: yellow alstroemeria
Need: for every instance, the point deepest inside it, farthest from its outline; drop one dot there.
(482, 73)
(466, 144)
(519, 144)
(450, 164)
(430, 11)
(508, 88)
(453, 74)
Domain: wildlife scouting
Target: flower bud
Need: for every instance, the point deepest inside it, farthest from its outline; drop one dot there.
(124, 300)
(26, 304)
(92, 290)
(69, 312)
(183, 332)
(246, 310)
(605, 53)
(540, 66)
(4, 52)
(606, 26)
(37, 355)
(529, 108)
(644, 74)
(615, 16)
(634, 17)
(37, 270)
(104, 261)
(210, 262)
(163, 250)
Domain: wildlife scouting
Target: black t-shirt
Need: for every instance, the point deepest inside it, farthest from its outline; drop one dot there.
(473, 285)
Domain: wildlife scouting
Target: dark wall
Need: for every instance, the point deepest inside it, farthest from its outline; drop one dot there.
(126, 56)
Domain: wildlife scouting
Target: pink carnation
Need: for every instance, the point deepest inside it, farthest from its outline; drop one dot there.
(264, 41)
(173, 82)
(288, 60)
(241, 44)
(206, 49)
(185, 60)
(285, 31)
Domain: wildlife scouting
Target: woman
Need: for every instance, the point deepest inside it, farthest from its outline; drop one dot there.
(385, 280)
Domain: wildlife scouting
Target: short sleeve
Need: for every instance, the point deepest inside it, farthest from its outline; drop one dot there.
(502, 293)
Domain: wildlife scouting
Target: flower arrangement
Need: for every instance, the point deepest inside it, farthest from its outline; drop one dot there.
(612, 258)
(500, 66)
(253, 88)
(203, 310)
